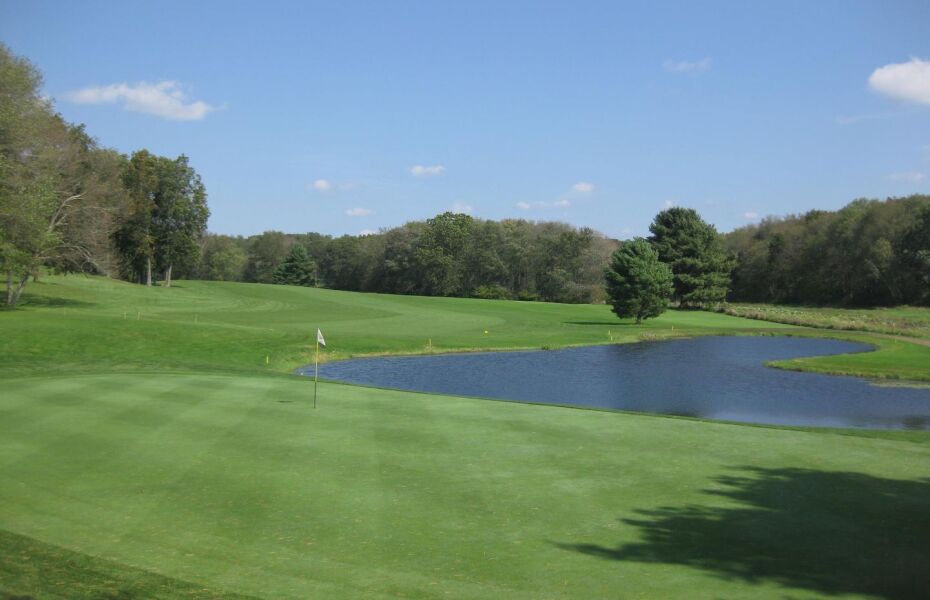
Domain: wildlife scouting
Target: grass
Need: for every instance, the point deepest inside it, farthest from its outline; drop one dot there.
(71, 324)
(903, 320)
(904, 334)
(158, 457)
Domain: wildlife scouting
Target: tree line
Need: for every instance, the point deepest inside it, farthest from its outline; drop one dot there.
(68, 204)
(448, 255)
(869, 253)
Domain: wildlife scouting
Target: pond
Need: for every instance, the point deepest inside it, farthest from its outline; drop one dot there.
(708, 377)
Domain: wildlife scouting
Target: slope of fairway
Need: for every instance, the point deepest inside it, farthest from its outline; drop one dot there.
(235, 485)
(147, 451)
(80, 323)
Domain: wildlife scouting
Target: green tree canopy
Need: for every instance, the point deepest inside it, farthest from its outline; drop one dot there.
(638, 284)
(297, 269)
(46, 180)
(222, 258)
(180, 217)
(692, 248)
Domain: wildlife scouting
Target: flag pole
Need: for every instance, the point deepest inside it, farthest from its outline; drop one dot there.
(316, 370)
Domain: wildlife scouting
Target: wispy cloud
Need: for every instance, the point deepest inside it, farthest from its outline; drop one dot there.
(164, 99)
(908, 81)
(427, 171)
(914, 177)
(668, 204)
(692, 67)
(367, 232)
(583, 186)
(562, 203)
(459, 207)
(358, 212)
(852, 119)
(324, 186)
(751, 215)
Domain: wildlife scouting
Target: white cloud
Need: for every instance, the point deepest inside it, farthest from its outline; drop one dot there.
(164, 99)
(562, 203)
(908, 177)
(367, 232)
(322, 185)
(358, 212)
(583, 186)
(751, 215)
(851, 119)
(693, 67)
(427, 171)
(458, 207)
(668, 204)
(909, 81)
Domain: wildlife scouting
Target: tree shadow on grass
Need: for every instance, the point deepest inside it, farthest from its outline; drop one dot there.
(31, 569)
(612, 323)
(51, 302)
(829, 532)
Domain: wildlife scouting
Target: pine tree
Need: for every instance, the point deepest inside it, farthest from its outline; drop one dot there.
(297, 269)
(638, 284)
(692, 248)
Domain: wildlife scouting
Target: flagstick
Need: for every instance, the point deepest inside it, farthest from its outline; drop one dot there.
(316, 371)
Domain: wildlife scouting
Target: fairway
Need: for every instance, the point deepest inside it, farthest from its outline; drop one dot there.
(236, 484)
(147, 451)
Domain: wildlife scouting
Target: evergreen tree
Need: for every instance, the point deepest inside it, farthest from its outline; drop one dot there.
(297, 269)
(638, 284)
(693, 250)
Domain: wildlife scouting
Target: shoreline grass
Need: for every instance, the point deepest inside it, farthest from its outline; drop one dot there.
(908, 321)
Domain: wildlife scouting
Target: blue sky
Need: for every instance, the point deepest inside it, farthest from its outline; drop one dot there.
(343, 117)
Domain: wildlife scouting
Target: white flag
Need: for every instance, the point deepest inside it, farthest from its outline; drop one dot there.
(319, 337)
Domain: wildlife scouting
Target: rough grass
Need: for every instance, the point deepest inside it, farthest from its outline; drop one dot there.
(156, 456)
(903, 320)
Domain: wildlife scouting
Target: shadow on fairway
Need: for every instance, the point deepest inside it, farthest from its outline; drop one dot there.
(52, 302)
(31, 569)
(612, 323)
(829, 532)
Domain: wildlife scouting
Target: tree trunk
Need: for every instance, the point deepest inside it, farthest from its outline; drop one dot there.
(19, 290)
(148, 271)
(168, 276)
(9, 288)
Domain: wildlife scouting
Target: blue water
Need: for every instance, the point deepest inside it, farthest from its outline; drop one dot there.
(710, 377)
